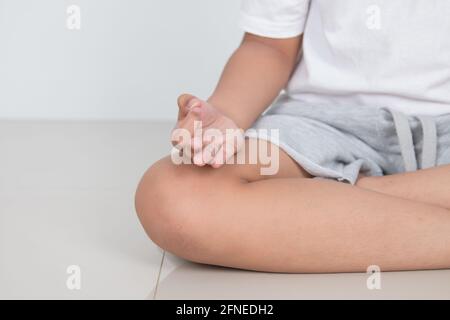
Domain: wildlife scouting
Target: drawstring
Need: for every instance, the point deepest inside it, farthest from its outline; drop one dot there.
(405, 139)
(429, 147)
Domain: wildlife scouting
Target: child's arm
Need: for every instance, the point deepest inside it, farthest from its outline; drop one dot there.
(251, 80)
(254, 76)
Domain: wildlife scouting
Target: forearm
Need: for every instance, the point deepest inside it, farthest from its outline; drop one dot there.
(253, 77)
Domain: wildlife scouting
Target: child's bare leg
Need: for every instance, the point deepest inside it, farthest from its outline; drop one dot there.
(285, 224)
(429, 186)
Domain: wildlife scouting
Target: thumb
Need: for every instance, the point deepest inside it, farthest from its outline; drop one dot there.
(185, 102)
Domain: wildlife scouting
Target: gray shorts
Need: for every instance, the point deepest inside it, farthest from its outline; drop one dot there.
(342, 142)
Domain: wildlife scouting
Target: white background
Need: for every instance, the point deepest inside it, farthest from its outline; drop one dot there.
(130, 60)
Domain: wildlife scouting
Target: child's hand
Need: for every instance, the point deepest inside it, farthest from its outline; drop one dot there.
(214, 137)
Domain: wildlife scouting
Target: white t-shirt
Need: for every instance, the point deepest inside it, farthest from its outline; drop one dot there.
(381, 53)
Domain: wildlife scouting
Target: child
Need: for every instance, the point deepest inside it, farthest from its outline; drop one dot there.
(364, 144)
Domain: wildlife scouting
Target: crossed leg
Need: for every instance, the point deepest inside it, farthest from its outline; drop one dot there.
(430, 186)
(234, 217)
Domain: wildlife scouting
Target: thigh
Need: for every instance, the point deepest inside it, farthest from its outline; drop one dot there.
(168, 194)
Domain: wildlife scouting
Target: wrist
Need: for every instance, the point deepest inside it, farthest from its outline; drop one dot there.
(223, 109)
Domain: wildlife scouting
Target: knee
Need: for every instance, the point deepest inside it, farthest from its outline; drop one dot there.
(157, 204)
(171, 209)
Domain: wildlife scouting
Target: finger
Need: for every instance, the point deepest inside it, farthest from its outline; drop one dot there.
(189, 126)
(198, 159)
(196, 144)
(212, 142)
(183, 104)
(205, 149)
(218, 160)
(211, 151)
(181, 135)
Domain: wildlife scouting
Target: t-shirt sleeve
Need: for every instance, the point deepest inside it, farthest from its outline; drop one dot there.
(274, 18)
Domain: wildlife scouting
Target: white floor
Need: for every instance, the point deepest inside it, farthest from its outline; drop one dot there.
(66, 198)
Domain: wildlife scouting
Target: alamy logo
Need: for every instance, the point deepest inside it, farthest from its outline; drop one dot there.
(73, 21)
(373, 21)
(219, 147)
(73, 281)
